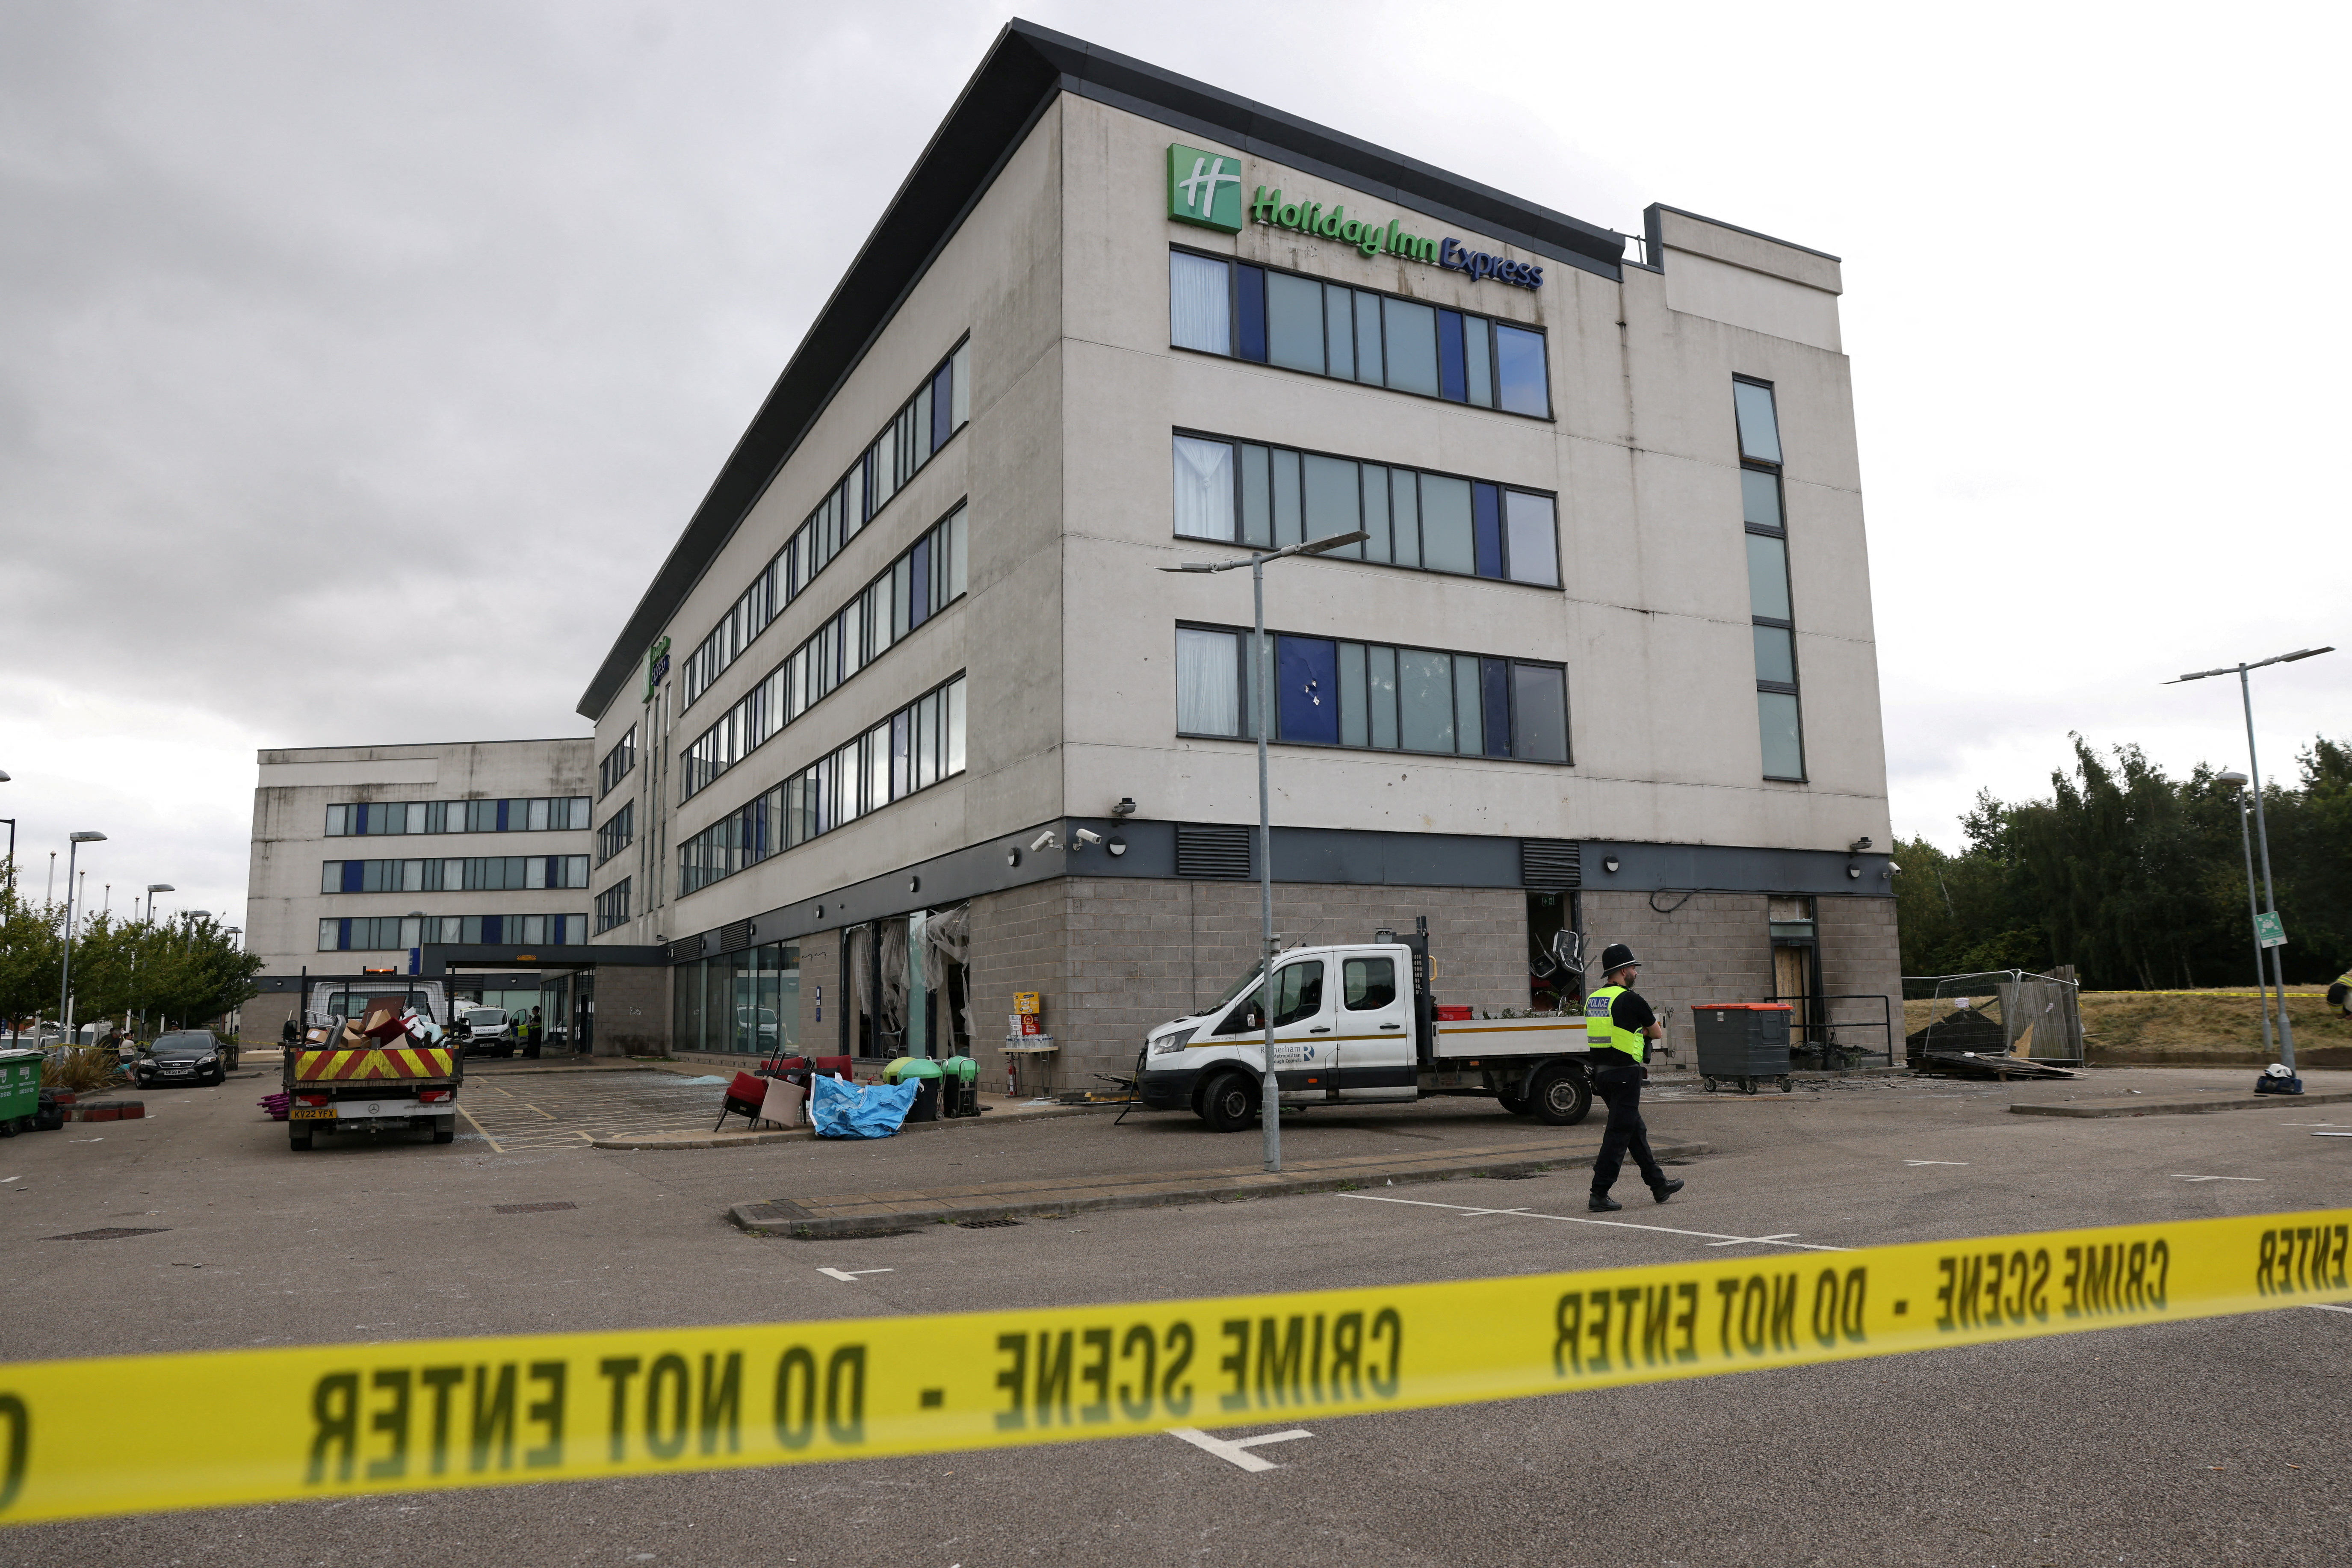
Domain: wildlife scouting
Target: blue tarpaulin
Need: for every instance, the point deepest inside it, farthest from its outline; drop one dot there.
(839, 1110)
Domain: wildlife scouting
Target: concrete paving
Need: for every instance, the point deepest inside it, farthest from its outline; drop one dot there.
(865, 1213)
(2191, 1444)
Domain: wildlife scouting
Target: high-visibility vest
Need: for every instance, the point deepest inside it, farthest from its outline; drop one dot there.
(1601, 1034)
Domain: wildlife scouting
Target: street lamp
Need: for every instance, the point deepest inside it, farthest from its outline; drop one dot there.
(2274, 936)
(2233, 781)
(153, 889)
(12, 840)
(1269, 1090)
(74, 841)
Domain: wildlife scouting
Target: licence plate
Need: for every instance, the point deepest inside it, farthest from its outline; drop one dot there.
(368, 1110)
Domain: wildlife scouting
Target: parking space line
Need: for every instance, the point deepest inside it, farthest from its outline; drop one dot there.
(2184, 1176)
(495, 1147)
(1710, 1236)
(1235, 1451)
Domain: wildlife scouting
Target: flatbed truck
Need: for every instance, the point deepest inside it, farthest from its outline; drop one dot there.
(1358, 1025)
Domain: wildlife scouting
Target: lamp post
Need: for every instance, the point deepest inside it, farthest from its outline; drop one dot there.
(1269, 1089)
(2276, 938)
(2233, 781)
(12, 840)
(153, 889)
(74, 841)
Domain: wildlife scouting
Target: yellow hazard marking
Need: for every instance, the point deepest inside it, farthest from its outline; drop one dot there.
(217, 1428)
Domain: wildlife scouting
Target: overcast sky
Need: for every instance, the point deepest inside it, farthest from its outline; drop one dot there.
(359, 362)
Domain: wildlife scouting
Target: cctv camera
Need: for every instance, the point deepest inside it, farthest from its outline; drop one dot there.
(1043, 842)
(1088, 836)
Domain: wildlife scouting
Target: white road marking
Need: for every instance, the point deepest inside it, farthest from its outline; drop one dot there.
(849, 1276)
(2184, 1176)
(1935, 1162)
(1739, 1241)
(2323, 1307)
(1612, 1224)
(5, 1180)
(1236, 1450)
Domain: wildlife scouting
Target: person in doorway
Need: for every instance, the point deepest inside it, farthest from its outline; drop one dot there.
(1619, 1027)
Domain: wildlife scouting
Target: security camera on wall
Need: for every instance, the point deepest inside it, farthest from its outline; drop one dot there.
(1088, 836)
(1043, 842)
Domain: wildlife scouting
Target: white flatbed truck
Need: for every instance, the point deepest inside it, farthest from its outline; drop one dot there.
(1357, 1025)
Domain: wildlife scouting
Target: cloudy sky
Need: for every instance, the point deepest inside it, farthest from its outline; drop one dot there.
(358, 362)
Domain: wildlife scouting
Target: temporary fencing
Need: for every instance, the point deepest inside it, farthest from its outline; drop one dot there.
(223, 1427)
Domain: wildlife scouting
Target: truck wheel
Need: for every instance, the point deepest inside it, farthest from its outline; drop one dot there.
(1230, 1103)
(444, 1129)
(1561, 1096)
(298, 1141)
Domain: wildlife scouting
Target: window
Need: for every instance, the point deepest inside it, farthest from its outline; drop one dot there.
(1245, 311)
(927, 578)
(1267, 496)
(913, 749)
(616, 833)
(1368, 983)
(1297, 992)
(612, 906)
(560, 813)
(1778, 720)
(1335, 693)
(388, 934)
(470, 874)
(617, 763)
(926, 422)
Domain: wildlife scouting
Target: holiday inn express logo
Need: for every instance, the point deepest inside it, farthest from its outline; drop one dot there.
(1205, 188)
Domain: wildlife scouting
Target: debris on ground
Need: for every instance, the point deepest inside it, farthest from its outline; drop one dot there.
(1992, 1065)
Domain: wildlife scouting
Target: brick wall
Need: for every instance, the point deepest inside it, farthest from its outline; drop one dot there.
(633, 1010)
(1113, 957)
(262, 1020)
(1709, 947)
(1861, 956)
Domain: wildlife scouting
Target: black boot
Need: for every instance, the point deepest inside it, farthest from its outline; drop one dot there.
(1665, 1190)
(1601, 1202)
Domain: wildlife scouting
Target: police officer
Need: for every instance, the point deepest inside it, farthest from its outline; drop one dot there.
(1619, 1027)
(2339, 993)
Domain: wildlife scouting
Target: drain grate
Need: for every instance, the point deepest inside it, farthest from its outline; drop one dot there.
(530, 1209)
(111, 1233)
(984, 1223)
(1515, 1175)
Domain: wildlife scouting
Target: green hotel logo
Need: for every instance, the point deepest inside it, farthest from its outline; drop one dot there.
(1205, 188)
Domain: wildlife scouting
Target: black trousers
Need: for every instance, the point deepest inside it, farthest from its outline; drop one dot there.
(1619, 1088)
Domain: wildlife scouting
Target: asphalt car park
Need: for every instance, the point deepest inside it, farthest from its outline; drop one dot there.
(2220, 1440)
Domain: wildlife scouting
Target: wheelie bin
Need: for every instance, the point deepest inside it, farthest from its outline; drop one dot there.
(1741, 1044)
(928, 1079)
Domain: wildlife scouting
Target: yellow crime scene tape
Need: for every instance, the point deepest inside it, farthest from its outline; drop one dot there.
(218, 1428)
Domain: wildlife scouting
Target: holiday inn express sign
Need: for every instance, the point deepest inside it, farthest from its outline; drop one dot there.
(1207, 189)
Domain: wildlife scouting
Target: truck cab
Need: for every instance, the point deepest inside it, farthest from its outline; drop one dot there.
(1358, 1024)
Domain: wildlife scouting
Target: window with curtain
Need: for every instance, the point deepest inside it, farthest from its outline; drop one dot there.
(1208, 682)
(1205, 488)
(1200, 303)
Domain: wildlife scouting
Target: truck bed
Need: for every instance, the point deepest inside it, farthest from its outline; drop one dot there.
(1486, 1039)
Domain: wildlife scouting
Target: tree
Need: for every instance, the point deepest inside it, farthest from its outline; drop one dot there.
(29, 954)
(2136, 878)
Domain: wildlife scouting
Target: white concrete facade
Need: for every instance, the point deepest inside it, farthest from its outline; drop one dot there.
(286, 896)
(1057, 274)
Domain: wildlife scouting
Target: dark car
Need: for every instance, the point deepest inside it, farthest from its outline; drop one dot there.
(185, 1056)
